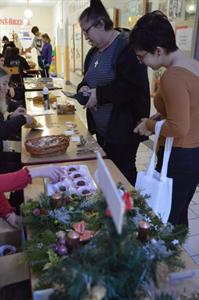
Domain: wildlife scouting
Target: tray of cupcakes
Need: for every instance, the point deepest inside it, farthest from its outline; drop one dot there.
(75, 180)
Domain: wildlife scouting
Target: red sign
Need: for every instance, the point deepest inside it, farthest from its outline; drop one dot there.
(10, 21)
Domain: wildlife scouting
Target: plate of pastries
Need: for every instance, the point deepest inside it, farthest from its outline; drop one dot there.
(65, 108)
(35, 124)
(39, 100)
(47, 145)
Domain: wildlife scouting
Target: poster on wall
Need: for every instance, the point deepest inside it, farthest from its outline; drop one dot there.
(184, 37)
(78, 49)
(71, 48)
(175, 8)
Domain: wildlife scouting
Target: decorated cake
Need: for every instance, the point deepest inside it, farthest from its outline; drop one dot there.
(47, 145)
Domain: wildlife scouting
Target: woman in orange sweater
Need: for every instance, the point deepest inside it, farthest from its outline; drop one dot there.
(153, 40)
(18, 180)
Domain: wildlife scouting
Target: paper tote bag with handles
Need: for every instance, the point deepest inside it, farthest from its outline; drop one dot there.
(157, 185)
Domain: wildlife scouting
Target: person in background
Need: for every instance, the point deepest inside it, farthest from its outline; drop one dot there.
(13, 59)
(18, 180)
(46, 55)
(153, 40)
(11, 91)
(118, 87)
(10, 161)
(6, 43)
(36, 43)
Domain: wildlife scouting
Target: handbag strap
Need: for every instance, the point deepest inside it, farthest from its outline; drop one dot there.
(167, 152)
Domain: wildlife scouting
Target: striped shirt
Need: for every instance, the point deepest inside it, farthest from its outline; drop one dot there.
(100, 73)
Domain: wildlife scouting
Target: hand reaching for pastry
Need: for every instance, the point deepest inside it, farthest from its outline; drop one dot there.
(18, 111)
(141, 128)
(29, 119)
(52, 172)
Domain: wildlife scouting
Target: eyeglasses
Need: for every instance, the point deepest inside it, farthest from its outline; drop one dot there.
(86, 31)
(141, 57)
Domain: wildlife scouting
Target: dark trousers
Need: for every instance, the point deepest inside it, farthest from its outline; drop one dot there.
(45, 72)
(184, 169)
(11, 162)
(123, 156)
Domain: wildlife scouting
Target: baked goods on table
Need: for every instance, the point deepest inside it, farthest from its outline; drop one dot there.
(76, 179)
(65, 108)
(35, 124)
(47, 145)
(39, 100)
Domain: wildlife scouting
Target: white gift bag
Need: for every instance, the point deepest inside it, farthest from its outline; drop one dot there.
(157, 185)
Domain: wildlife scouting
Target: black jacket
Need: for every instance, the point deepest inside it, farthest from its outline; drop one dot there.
(10, 128)
(128, 93)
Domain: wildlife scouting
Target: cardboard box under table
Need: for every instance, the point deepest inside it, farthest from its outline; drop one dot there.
(13, 268)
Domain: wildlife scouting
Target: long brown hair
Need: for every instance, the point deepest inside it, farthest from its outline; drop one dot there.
(46, 36)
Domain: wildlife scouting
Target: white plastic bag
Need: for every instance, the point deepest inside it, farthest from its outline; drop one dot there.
(156, 184)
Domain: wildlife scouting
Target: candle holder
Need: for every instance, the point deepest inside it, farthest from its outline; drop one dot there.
(73, 240)
(56, 200)
(143, 231)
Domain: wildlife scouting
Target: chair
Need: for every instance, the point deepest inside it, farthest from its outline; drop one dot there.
(13, 70)
(15, 75)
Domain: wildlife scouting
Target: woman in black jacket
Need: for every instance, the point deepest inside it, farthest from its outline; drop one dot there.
(118, 87)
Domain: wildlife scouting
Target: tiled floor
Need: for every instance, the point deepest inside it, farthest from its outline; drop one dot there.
(192, 243)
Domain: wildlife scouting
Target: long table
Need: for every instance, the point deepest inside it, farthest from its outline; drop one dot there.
(37, 84)
(55, 125)
(38, 109)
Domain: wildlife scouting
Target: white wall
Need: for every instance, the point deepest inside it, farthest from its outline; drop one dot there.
(42, 18)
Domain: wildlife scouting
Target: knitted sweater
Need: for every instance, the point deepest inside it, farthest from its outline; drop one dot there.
(177, 102)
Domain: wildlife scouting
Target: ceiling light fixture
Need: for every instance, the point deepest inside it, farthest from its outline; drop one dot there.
(28, 12)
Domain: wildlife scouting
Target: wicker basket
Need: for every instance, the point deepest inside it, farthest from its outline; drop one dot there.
(47, 145)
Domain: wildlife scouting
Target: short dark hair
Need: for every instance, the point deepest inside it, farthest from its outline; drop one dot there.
(35, 29)
(151, 31)
(5, 38)
(96, 12)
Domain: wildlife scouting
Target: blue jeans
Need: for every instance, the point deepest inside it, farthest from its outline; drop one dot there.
(184, 169)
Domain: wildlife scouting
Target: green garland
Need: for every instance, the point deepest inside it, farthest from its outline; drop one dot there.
(109, 266)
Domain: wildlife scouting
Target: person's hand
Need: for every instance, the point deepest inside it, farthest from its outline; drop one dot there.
(13, 220)
(29, 119)
(52, 172)
(18, 111)
(141, 128)
(84, 88)
(11, 92)
(92, 102)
